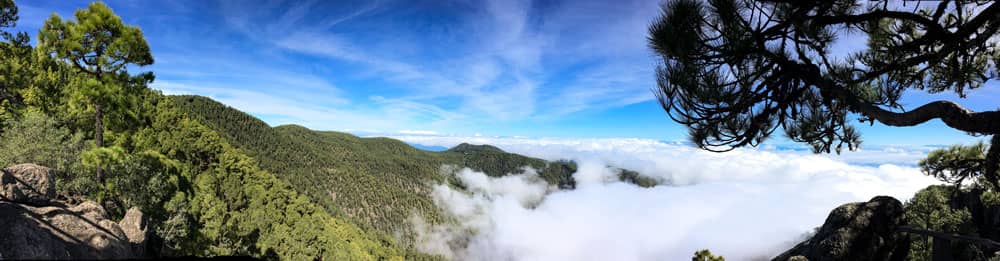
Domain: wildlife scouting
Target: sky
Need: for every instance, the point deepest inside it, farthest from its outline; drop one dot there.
(572, 69)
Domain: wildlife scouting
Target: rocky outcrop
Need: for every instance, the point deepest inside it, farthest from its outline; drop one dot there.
(857, 231)
(136, 230)
(28, 184)
(34, 225)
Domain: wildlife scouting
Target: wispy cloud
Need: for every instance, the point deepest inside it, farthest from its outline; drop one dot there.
(294, 108)
(488, 59)
(336, 47)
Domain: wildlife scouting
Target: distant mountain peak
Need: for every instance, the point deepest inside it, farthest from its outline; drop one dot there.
(470, 148)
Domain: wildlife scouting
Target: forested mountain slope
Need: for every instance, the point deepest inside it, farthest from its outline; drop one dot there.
(379, 182)
(111, 140)
(202, 196)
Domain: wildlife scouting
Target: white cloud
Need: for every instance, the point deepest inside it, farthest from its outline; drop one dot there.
(745, 204)
(553, 59)
(292, 107)
(418, 132)
(332, 46)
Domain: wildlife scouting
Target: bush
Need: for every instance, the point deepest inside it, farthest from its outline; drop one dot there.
(38, 138)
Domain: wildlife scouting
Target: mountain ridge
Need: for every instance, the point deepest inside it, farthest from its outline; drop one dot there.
(350, 175)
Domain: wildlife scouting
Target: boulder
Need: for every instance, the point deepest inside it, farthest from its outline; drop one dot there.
(28, 184)
(136, 229)
(89, 210)
(857, 231)
(53, 232)
(35, 225)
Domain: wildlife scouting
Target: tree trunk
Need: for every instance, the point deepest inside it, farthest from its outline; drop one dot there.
(941, 250)
(99, 138)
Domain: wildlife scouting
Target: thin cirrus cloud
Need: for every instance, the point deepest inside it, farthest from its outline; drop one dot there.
(507, 61)
(295, 108)
(744, 204)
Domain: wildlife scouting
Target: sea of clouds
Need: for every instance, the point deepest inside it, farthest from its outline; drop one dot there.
(746, 204)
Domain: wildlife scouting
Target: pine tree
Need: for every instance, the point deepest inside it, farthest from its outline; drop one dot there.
(100, 47)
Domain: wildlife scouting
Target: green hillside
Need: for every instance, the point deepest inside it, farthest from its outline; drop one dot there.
(202, 196)
(379, 182)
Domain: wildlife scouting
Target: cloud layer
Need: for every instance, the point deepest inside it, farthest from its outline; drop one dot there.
(745, 204)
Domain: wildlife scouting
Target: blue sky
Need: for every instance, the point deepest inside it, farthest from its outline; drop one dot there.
(506, 68)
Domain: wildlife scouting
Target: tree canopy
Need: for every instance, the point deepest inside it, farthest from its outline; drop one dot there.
(11, 49)
(8, 16)
(736, 71)
(97, 43)
(101, 47)
(706, 255)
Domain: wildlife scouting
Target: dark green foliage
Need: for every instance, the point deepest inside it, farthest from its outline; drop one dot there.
(100, 48)
(379, 182)
(8, 13)
(203, 196)
(636, 178)
(946, 209)
(14, 51)
(705, 255)
(968, 206)
(351, 177)
(32, 115)
(496, 162)
(466, 148)
(144, 179)
(97, 43)
(217, 201)
(957, 164)
(38, 138)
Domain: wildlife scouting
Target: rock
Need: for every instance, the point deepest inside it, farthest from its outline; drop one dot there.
(52, 232)
(857, 231)
(35, 225)
(28, 183)
(90, 210)
(136, 230)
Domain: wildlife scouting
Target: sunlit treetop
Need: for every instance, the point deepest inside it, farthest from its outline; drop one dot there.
(97, 42)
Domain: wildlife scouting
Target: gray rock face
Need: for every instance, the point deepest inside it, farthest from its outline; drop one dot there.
(53, 232)
(136, 230)
(28, 183)
(33, 225)
(857, 231)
